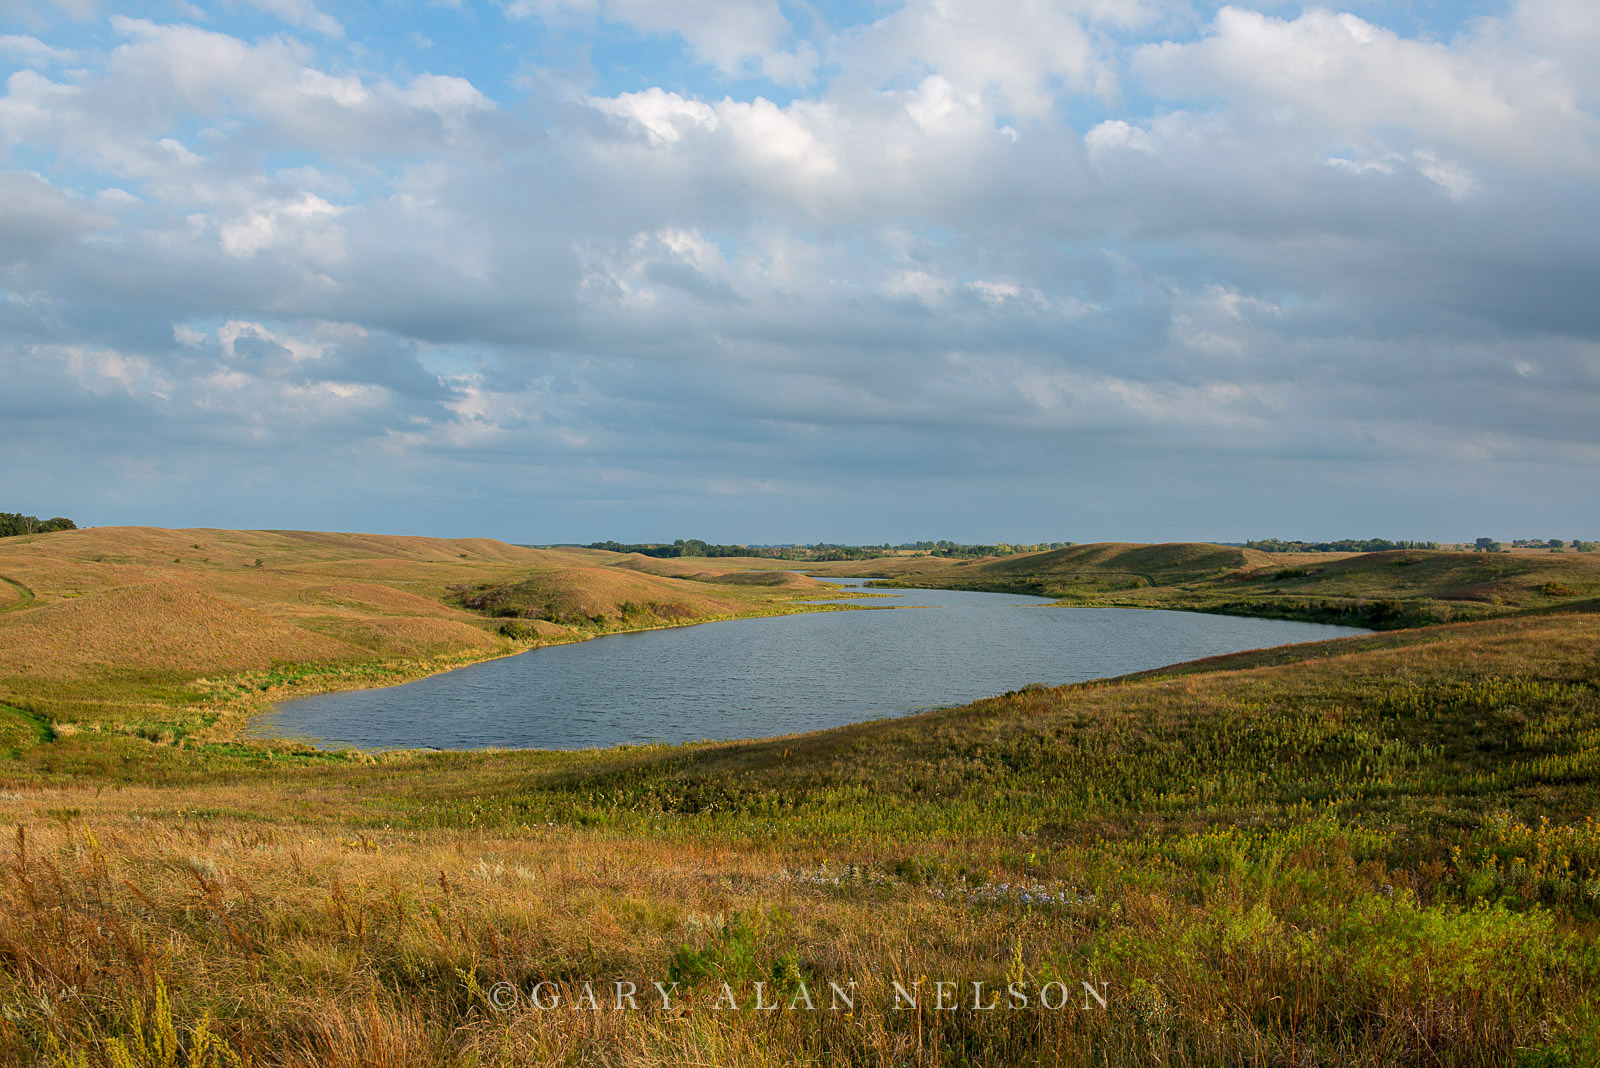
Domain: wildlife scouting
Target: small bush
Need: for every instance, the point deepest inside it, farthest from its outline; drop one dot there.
(518, 630)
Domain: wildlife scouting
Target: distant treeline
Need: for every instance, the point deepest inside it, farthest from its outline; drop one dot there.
(821, 550)
(1347, 545)
(696, 547)
(952, 548)
(14, 523)
(1378, 545)
(1555, 545)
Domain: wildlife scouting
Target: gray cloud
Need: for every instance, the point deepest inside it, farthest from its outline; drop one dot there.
(1317, 266)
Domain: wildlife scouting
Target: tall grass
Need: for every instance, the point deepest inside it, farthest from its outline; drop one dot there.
(1384, 856)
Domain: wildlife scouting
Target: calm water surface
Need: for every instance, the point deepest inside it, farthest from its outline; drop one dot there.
(756, 677)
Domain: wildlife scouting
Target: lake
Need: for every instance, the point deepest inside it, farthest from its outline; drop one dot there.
(753, 678)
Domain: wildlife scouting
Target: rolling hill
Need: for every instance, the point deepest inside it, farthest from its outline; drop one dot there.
(1378, 851)
(1383, 590)
(164, 632)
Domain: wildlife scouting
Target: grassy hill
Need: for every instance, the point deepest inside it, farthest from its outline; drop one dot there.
(1384, 590)
(167, 632)
(1377, 851)
(1104, 565)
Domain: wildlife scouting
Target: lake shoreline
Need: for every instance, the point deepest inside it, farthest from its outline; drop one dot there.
(387, 674)
(789, 678)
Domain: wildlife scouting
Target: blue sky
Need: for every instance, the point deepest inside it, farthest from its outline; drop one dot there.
(757, 271)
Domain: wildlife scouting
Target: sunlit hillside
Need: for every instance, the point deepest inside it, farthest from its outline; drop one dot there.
(1373, 852)
(169, 631)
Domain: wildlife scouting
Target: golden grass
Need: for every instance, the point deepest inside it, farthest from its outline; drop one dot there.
(123, 624)
(1320, 855)
(1378, 851)
(598, 591)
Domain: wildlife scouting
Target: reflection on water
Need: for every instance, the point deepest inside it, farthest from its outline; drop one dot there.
(758, 677)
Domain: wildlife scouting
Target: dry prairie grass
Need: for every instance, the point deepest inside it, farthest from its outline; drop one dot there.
(1370, 853)
(583, 594)
(123, 623)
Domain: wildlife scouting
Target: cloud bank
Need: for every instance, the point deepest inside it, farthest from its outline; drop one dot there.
(754, 271)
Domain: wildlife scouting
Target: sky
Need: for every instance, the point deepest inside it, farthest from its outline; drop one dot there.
(762, 271)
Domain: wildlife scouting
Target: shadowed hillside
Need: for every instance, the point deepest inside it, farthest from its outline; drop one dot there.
(1107, 564)
(591, 596)
(1383, 590)
(727, 570)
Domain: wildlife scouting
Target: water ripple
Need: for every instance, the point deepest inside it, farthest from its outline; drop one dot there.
(759, 677)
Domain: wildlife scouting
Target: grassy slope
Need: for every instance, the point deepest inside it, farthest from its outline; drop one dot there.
(165, 632)
(1378, 851)
(1382, 590)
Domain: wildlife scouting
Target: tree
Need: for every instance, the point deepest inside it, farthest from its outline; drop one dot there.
(1486, 545)
(14, 523)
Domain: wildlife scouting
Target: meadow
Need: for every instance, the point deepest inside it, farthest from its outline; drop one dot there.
(1375, 851)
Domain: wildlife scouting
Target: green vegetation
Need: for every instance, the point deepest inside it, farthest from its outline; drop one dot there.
(1377, 851)
(1383, 591)
(820, 552)
(958, 550)
(1345, 545)
(21, 730)
(14, 596)
(1555, 545)
(694, 547)
(13, 524)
